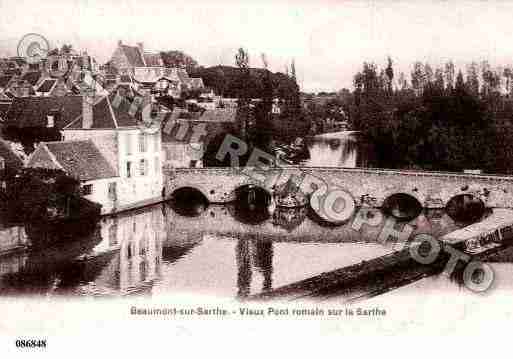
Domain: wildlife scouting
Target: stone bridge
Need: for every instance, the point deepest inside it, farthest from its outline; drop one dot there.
(368, 187)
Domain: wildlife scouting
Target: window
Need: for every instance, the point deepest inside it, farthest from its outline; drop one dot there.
(156, 142)
(50, 121)
(128, 169)
(128, 144)
(157, 165)
(143, 167)
(143, 142)
(112, 193)
(87, 189)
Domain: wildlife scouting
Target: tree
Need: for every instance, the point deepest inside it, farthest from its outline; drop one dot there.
(460, 83)
(293, 70)
(370, 79)
(389, 71)
(439, 81)
(242, 62)
(418, 77)
(508, 73)
(180, 59)
(428, 73)
(402, 82)
(449, 75)
(473, 79)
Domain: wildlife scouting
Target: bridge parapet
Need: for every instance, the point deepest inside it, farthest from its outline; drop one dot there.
(369, 187)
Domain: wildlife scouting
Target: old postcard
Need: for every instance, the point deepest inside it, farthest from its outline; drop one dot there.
(250, 177)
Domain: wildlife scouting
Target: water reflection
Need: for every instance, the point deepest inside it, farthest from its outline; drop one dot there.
(159, 250)
(340, 149)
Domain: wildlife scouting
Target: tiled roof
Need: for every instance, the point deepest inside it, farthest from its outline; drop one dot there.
(81, 159)
(122, 113)
(133, 55)
(183, 76)
(153, 59)
(32, 111)
(107, 115)
(4, 80)
(218, 116)
(217, 119)
(32, 77)
(46, 86)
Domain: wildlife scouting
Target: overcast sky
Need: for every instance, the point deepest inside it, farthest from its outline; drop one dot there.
(329, 40)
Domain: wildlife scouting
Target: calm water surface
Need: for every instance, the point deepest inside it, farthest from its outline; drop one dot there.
(158, 251)
(214, 250)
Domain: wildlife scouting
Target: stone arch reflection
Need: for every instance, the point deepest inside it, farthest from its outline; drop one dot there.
(465, 208)
(251, 205)
(188, 201)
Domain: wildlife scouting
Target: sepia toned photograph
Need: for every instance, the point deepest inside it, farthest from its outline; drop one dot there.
(195, 169)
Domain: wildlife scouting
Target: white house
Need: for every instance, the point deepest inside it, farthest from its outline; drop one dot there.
(132, 149)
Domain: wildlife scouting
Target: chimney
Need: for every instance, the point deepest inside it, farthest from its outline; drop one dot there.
(140, 45)
(120, 42)
(87, 107)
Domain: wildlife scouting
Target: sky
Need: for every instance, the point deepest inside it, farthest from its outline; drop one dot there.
(328, 40)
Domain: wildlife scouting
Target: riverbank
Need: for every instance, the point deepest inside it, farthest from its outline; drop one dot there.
(383, 274)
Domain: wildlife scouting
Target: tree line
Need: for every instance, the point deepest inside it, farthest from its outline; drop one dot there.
(441, 119)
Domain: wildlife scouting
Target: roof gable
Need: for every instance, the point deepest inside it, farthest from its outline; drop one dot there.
(133, 55)
(32, 77)
(80, 159)
(32, 111)
(109, 112)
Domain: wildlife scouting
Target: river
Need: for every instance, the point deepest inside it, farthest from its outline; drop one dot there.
(217, 250)
(339, 149)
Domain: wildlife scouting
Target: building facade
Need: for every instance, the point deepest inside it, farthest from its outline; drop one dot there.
(134, 152)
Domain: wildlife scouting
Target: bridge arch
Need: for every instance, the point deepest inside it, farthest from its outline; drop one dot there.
(402, 205)
(465, 207)
(253, 194)
(189, 201)
(188, 190)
